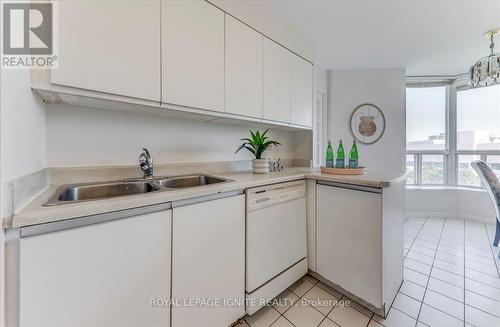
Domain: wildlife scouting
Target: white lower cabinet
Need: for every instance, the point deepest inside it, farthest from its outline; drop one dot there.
(359, 240)
(349, 242)
(208, 263)
(104, 274)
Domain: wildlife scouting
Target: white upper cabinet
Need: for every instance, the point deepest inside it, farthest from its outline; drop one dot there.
(301, 91)
(110, 46)
(244, 60)
(276, 102)
(192, 54)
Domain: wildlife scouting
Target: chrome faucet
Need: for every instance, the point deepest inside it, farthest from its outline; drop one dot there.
(146, 164)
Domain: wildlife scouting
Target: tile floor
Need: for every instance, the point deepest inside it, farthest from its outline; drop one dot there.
(451, 278)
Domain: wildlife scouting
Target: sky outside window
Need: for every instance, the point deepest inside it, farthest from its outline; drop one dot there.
(478, 119)
(426, 118)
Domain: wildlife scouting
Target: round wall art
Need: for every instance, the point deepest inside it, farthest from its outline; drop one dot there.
(367, 123)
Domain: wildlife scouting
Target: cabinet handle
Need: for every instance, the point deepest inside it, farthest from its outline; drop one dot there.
(360, 188)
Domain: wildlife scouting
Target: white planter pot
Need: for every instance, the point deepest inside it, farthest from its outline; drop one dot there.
(260, 166)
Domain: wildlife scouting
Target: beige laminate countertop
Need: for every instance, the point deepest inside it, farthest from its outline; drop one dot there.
(34, 213)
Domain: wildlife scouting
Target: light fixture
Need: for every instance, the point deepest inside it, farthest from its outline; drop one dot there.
(486, 71)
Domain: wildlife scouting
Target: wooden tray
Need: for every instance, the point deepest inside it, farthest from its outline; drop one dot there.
(343, 171)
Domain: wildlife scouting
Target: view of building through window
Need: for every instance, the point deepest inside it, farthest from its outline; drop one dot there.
(477, 137)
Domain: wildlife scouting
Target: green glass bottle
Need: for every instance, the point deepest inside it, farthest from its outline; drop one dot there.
(354, 155)
(329, 155)
(340, 156)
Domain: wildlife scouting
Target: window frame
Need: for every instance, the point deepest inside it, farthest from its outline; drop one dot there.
(450, 153)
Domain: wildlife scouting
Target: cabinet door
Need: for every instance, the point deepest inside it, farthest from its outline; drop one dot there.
(301, 91)
(99, 275)
(208, 262)
(276, 102)
(349, 240)
(193, 54)
(110, 46)
(244, 60)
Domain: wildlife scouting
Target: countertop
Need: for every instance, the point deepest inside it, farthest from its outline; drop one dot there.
(34, 213)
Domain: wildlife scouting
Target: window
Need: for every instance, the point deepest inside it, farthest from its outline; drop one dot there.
(494, 162)
(433, 169)
(478, 119)
(446, 130)
(426, 118)
(410, 169)
(466, 175)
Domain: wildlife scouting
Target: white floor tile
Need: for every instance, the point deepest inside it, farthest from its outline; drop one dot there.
(423, 250)
(413, 290)
(282, 322)
(328, 323)
(301, 287)
(480, 258)
(420, 257)
(480, 302)
(417, 266)
(483, 278)
(444, 288)
(358, 307)
(242, 323)
(483, 252)
(284, 301)
(415, 277)
(483, 289)
(448, 266)
(450, 258)
(407, 305)
(480, 318)
(263, 318)
(348, 316)
(431, 239)
(320, 299)
(448, 277)
(311, 279)
(396, 318)
(424, 243)
(435, 318)
(330, 290)
(452, 240)
(445, 304)
(489, 269)
(450, 250)
(374, 323)
(304, 316)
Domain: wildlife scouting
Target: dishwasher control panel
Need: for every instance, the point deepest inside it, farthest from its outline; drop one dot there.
(274, 194)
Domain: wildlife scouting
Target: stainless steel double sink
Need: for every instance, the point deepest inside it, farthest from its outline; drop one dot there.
(97, 191)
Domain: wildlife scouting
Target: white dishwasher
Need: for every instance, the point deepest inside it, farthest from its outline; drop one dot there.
(276, 246)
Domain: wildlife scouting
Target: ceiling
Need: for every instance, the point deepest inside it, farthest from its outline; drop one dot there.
(427, 37)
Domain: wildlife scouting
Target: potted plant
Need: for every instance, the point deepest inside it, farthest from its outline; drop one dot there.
(257, 145)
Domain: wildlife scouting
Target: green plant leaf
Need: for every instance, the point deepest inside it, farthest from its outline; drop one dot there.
(257, 144)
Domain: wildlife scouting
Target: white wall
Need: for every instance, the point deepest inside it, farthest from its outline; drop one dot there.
(449, 203)
(79, 136)
(23, 148)
(382, 87)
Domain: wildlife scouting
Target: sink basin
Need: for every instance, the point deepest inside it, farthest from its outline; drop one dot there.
(96, 191)
(189, 181)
